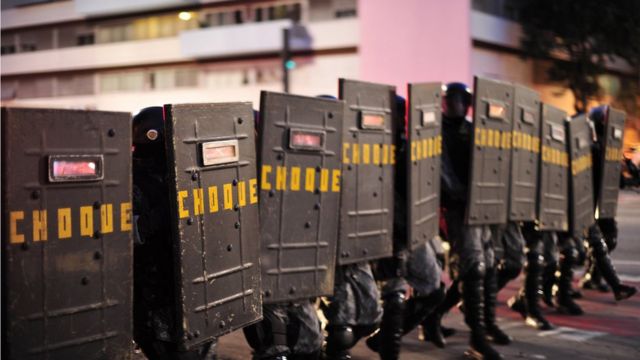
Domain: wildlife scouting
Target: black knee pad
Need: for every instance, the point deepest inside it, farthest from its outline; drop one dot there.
(535, 259)
(341, 338)
(269, 331)
(569, 254)
(612, 242)
(476, 271)
(599, 248)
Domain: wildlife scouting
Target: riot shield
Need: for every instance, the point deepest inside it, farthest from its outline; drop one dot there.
(611, 161)
(423, 159)
(214, 220)
(490, 153)
(525, 154)
(368, 157)
(553, 193)
(580, 180)
(300, 144)
(66, 240)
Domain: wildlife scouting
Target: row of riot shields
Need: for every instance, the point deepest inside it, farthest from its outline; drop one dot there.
(262, 212)
(530, 162)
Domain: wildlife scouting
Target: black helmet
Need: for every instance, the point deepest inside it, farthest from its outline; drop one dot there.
(148, 132)
(456, 100)
(598, 116)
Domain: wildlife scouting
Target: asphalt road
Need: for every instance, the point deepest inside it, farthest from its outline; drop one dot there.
(608, 330)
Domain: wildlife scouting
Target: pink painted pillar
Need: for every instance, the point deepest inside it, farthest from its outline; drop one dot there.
(405, 41)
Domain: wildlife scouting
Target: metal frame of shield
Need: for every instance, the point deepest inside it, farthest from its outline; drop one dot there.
(214, 220)
(300, 144)
(553, 190)
(581, 214)
(424, 137)
(611, 164)
(368, 159)
(66, 241)
(525, 154)
(491, 153)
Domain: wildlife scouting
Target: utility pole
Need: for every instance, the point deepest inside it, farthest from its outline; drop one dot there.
(286, 58)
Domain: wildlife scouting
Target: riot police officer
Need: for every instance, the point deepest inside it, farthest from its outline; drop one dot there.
(473, 259)
(154, 307)
(420, 268)
(602, 235)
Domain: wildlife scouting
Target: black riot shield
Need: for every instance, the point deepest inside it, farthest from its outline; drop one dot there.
(553, 191)
(525, 154)
(66, 234)
(212, 172)
(423, 159)
(300, 144)
(611, 161)
(491, 152)
(580, 180)
(368, 157)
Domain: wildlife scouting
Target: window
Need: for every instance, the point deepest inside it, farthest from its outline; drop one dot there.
(258, 15)
(85, 39)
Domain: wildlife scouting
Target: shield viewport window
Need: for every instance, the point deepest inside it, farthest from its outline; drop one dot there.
(371, 121)
(219, 152)
(306, 139)
(557, 133)
(70, 168)
(428, 118)
(496, 111)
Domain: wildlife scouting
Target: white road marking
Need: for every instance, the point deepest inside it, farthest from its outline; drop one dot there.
(629, 278)
(568, 333)
(626, 262)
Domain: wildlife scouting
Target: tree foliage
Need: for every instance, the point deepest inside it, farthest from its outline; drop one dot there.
(579, 37)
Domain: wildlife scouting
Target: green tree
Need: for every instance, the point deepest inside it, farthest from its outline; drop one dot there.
(579, 37)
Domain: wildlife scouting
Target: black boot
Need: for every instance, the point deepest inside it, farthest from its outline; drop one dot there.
(419, 307)
(431, 326)
(473, 297)
(603, 263)
(548, 280)
(592, 279)
(531, 293)
(490, 292)
(339, 340)
(387, 341)
(564, 300)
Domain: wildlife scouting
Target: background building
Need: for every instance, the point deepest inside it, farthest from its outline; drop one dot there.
(125, 55)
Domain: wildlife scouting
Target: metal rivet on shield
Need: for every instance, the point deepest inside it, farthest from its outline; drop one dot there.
(189, 336)
(316, 206)
(380, 178)
(190, 221)
(349, 167)
(97, 255)
(229, 247)
(279, 157)
(194, 176)
(272, 193)
(292, 290)
(234, 182)
(375, 194)
(495, 171)
(365, 251)
(97, 234)
(25, 246)
(267, 293)
(345, 254)
(196, 333)
(330, 115)
(307, 224)
(317, 191)
(236, 207)
(355, 135)
(96, 205)
(318, 168)
(428, 182)
(152, 134)
(84, 281)
(111, 132)
(237, 225)
(222, 324)
(499, 158)
(35, 194)
(240, 120)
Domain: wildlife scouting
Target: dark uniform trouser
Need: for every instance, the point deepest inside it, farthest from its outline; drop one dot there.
(599, 252)
(286, 329)
(509, 244)
(609, 231)
(354, 310)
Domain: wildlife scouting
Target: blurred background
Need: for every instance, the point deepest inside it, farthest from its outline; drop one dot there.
(129, 54)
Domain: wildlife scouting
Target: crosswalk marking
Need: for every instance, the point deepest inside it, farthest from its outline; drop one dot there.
(568, 333)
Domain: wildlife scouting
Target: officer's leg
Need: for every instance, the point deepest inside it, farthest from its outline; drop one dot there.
(304, 333)
(472, 273)
(513, 255)
(568, 257)
(550, 242)
(268, 338)
(387, 341)
(603, 262)
(490, 293)
(526, 301)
